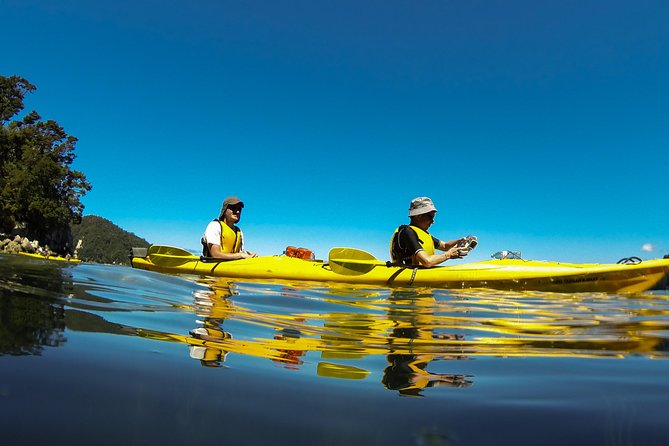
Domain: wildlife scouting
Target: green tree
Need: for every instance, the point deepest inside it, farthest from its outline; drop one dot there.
(12, 91)
(39, 191)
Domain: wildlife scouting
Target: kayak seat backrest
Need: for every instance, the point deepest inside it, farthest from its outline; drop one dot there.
(139, 252)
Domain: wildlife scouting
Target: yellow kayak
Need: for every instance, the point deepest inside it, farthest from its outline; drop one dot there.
(55, 258)
(348, 265)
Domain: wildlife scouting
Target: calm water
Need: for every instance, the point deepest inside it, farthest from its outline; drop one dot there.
(93, 354)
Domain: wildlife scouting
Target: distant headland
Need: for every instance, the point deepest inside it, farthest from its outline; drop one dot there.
(95, 239)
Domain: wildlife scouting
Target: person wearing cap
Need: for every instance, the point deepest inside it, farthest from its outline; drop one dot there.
(412, 244)
(223, 239)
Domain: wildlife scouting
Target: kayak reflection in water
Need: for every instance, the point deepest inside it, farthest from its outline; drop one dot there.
(289, 358)
(413, 315)
(210, 343)
(413, 245)
(223, 239)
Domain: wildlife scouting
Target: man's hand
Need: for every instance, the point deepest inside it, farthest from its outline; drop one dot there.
(247, 255)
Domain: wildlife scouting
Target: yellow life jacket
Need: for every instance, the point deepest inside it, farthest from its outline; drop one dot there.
(424, 238)
(231, 239)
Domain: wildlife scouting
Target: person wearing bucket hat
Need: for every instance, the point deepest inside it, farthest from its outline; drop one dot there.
(223, 239)
(412, 244)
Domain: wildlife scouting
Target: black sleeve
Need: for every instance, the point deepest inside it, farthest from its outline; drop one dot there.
(409, 240)
(436, 242)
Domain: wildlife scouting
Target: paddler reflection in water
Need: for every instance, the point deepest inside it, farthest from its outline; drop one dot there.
(223, 239)
(415, 345)
(413, 245)
(212, 307)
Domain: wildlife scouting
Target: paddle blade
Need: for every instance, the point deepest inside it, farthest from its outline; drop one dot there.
(351, 261)
(350, 254)
(168, 251)
(170, 256)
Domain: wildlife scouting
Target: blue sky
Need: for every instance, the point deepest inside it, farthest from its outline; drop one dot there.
(538, 126)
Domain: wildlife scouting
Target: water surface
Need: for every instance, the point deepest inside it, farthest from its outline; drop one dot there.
(111, 355)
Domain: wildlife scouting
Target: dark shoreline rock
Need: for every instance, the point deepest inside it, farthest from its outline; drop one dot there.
(17, 244)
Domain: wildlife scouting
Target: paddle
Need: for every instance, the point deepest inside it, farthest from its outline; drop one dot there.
(169, 256)
(353, 262)
(167, 251)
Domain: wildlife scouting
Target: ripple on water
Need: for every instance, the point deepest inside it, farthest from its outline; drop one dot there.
(343, 318)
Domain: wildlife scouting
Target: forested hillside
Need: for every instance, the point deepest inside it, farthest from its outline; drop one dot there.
(103, 242)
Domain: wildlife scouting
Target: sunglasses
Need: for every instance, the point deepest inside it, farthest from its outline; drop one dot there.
(236, 208)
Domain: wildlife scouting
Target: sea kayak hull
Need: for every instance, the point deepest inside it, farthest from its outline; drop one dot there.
(498, 274)
(53, 258)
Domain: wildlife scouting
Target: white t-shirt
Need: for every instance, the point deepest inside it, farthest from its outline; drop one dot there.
(212, 234)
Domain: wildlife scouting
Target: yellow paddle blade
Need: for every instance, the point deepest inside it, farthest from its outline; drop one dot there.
(350, 254)
(168, 251)
(351, 261)
(169, 256)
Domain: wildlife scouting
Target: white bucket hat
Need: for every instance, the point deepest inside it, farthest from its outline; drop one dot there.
(421, 205)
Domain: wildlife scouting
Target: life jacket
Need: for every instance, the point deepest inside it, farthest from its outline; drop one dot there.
(231, 239)
(424, 238)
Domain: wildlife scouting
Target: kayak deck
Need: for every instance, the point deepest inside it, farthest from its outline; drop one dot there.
(506, 274)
